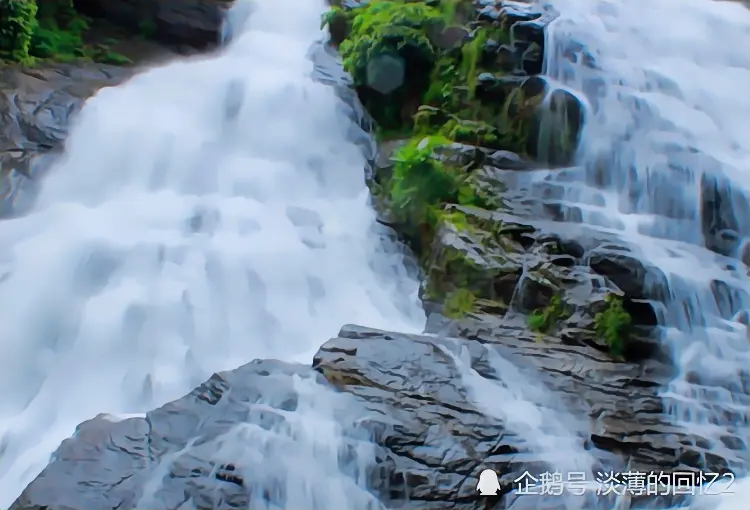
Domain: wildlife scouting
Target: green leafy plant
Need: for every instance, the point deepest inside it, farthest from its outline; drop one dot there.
(613, 324)
(421, 181)
(17, 24)
(388, 28)
(49, 41)
(544, 320)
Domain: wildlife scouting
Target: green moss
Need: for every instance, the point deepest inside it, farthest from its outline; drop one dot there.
(421, 181)
(469, 58)
(453, 269)
(613, 325)
(443, 79)
(471, 132)
(544, 320)
(458, 304)
(17, 24)
(457, 219)
(381, 37)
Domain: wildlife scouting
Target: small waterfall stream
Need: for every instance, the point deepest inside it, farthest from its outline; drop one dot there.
(667, 150)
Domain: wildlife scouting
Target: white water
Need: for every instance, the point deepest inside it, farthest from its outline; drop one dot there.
(669, 89)
(117, 298)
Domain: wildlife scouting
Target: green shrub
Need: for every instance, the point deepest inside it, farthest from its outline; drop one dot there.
(48, 29)
(386, 48)
(421, 182)
(613, 325)
(49, 41)
(59, 32)
(388, 28)
(544, 320)
(17, 24)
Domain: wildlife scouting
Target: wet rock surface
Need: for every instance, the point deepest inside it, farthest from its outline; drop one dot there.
(436, 407)
(36, 108)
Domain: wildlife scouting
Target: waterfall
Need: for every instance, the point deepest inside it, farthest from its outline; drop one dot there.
(204, 214)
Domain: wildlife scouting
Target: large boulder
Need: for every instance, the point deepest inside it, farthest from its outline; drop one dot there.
(437, 409)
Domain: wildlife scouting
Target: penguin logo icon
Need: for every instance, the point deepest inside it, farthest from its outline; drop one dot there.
(488, 483)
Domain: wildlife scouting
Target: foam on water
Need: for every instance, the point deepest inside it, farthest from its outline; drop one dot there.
(204, 214)
(667, 151)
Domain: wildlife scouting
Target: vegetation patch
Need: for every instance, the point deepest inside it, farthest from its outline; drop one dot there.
(429, 72)
(416, 66)
(545, 320)
(613, 325)
(33, 30)
(388, 53)
(421, 183)
(17, 25)
(459, 304)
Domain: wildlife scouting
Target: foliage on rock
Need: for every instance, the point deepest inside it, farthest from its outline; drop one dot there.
(430, 74)
(459, 303)
(545, 320)
(389, 28)
(613, 324)
(388, 52)
(416, 69)
(48, 29)
(17, 24)
(421, 183)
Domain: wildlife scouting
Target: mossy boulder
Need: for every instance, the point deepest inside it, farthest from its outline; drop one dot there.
(417, 66)
(471, 254)
(389, 54)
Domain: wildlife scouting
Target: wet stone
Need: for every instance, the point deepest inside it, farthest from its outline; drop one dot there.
(36, 109)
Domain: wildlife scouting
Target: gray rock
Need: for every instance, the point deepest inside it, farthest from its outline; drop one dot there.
(233, 442)
(439, 410)
(36, 107)
(626, 417)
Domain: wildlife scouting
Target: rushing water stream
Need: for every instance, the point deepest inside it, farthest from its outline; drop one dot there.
(214, 211)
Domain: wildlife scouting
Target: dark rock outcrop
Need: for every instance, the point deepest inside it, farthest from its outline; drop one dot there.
(438, 409)
(178, 23)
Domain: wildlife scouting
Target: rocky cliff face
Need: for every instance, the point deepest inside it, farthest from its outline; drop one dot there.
(562, 311)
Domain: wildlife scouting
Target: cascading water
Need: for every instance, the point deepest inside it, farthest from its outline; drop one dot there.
(667, 145)
(204, 214)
